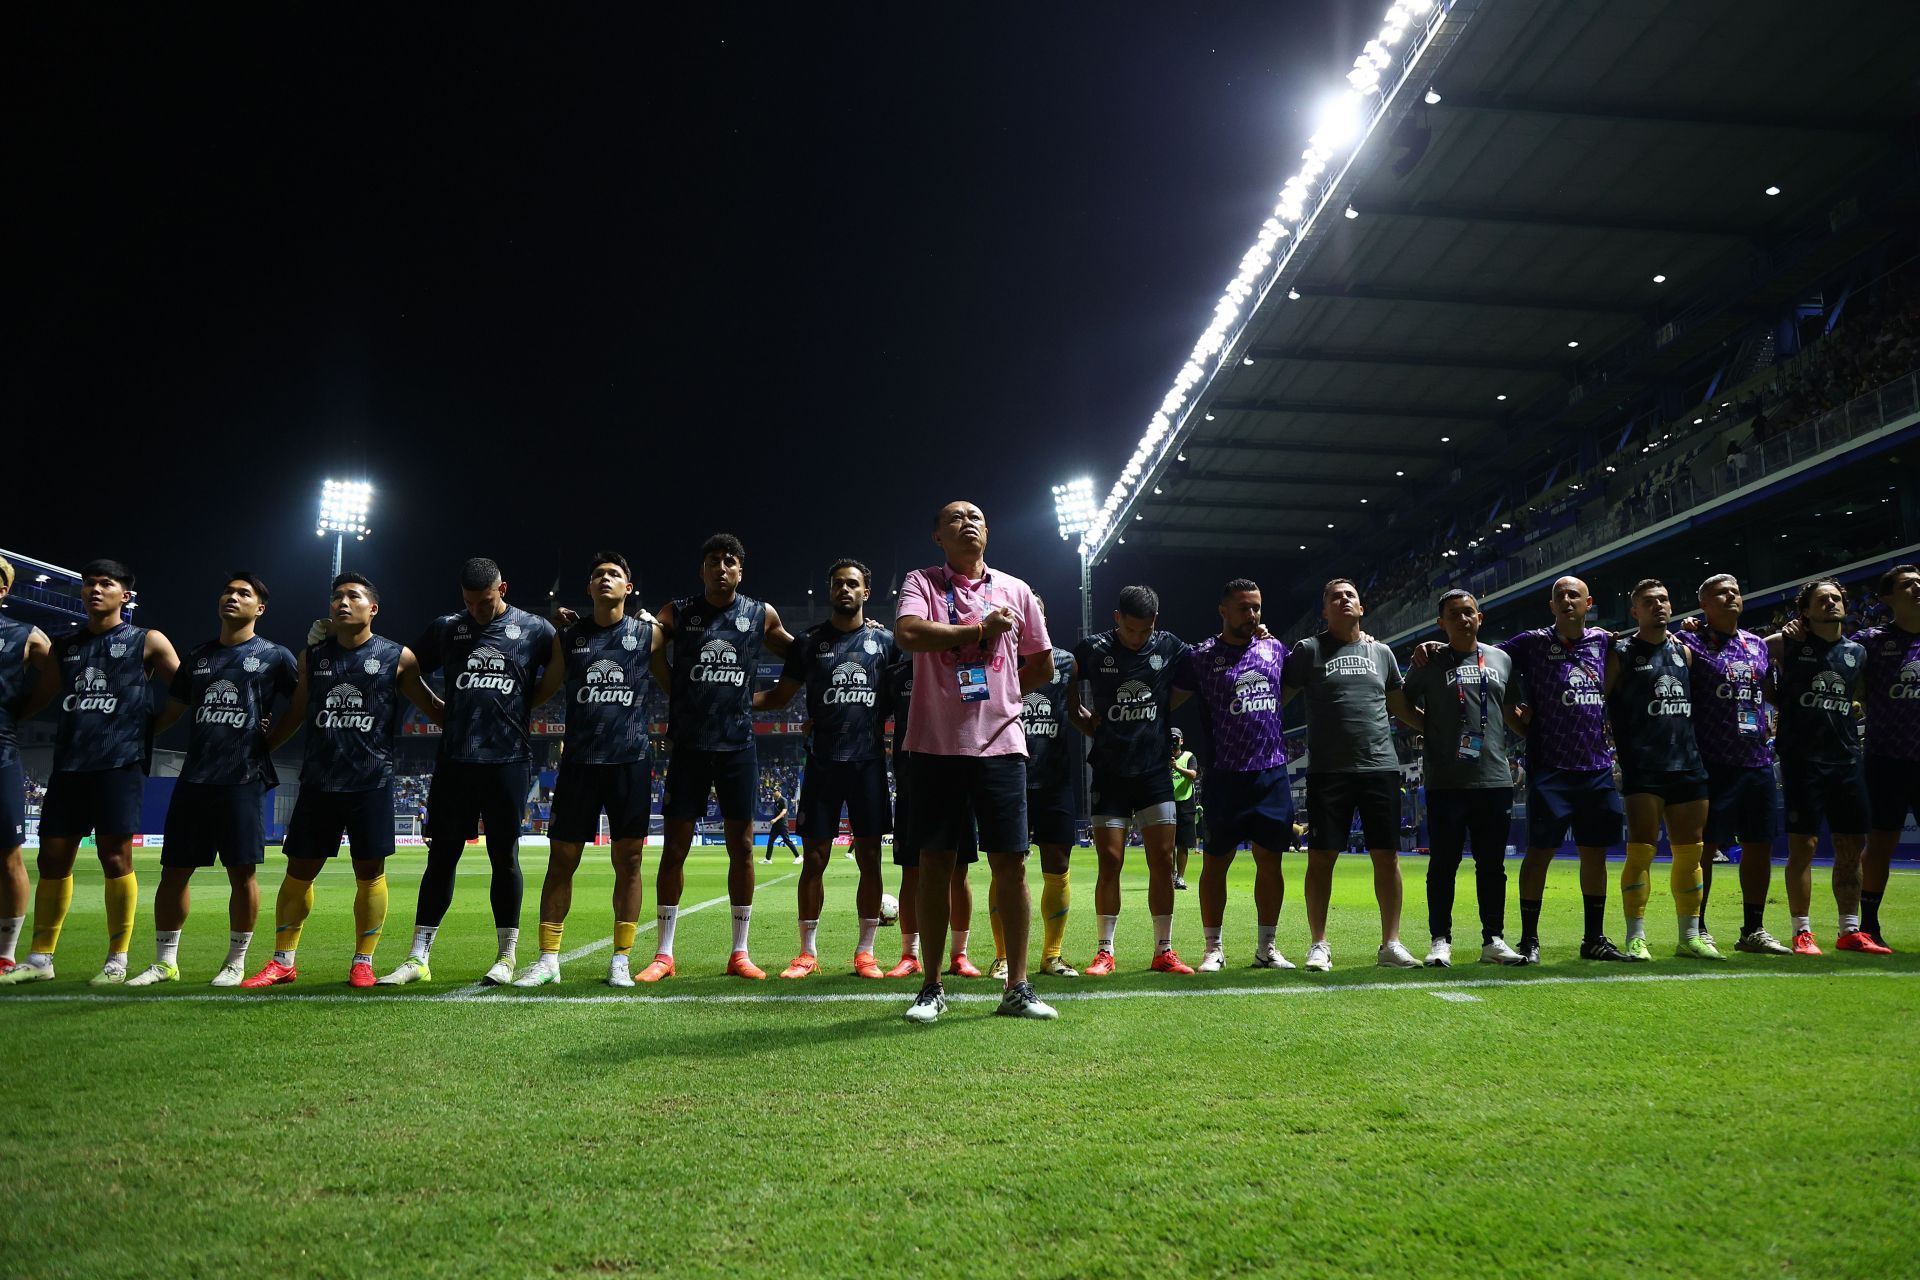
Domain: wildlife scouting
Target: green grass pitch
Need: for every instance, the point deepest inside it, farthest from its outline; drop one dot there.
(1759, 1117)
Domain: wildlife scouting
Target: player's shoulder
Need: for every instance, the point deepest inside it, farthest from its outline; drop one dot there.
(1169, 644)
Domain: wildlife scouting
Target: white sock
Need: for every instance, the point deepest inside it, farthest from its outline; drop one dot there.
(665, 918)
(283, 957)
(423, 941)
(910, 945)
(869, 929)
(1107, 925)
(1636, 927)
(1803, 924)
(509, 940)
(1263, 935)
(362, 957)
(117, 957)
(960, 941)
(237, 943)
(809, 934)
(1212, 934)
(1163, 933)
(166, 946)
(1689, 927)
(39, 959)
(1849, 922)
(10, 935)
(742, 921)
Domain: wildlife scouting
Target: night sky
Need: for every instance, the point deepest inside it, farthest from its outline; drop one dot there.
(616, 276)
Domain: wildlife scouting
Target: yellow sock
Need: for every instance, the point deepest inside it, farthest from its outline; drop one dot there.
(1686, 883)
(1636, 880)
(550, 937)
(623, 931)
(1055, 894)
(51, 898)
(290, 912)
(123, 902)
(369, 912)
(993, 918)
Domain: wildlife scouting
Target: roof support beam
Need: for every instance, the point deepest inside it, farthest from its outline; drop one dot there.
(1803, 121)
(1464, 298)
(1416, 412)
(1561, 221)
(1269, 480)
(1409, 359)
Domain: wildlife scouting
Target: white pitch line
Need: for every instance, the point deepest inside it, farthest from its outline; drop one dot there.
(1458, 997)
(901, 994)
(475, 989)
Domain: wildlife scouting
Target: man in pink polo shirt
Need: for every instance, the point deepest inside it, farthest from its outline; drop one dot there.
(968, 627)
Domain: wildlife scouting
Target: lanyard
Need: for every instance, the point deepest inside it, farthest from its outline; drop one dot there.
(1460, 689)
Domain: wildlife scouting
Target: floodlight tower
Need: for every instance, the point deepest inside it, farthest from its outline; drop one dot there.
(1073, 509)
(344, 505)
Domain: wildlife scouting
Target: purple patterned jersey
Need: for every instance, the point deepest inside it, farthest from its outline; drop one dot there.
(1729, 715)
(1566, 697)
(1240, 688)
(1893, 692)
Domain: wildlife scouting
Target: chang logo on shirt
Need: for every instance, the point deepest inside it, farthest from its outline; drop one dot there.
(487, 669)
(1828, 693)
(1582, 690)
(344, 709)
(1669, 698)
(848, 685)
(1352, 664)
(605, 683)
(1133, 701)
(1036, 716)
(220, 704)
(718, 663)
(1907, 688)
(1741, 684)
(1253, 695)
(90, 694)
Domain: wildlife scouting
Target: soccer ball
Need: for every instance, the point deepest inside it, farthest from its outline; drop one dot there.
(889, 908)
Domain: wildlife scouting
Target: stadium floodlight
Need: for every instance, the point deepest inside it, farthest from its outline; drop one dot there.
(1073, 506)
(344, 507)
(1383, 67)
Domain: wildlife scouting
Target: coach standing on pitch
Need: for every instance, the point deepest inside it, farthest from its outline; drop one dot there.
(967, 627)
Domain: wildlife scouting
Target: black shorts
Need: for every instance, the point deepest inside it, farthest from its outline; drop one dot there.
(1743, 805)
(1483, 815)
(1581, 800)
(321, 818)
(13, 806)
(1833, 795)
(1120, 799)
(206, 820)
(1050, 815)
(906, 841)
(858, 787)
(1254, 806)
(732, 777)
(1186, 832)
(583, 791)
(1893, 787)
(462, 794)
(1333, 799)
(101, 802)
(1672, 788)
(953, 795)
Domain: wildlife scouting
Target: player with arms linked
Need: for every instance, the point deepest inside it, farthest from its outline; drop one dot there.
(348, 700)
(1052, 759)
(843, 664)
(99, 671)
(717, 638)
(226, 688)
(23, 652)
(605, 766)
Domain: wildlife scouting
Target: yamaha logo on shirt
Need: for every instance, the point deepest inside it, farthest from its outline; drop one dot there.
(718, 663)
(1555, 651)
(460, 629)
(202, 667)
(90, 694)
(487, 668)
(1669, 698)
(1253, 694)
(1133, 701)
(580, 642)
(825, 645)
(605, 682)
(1107, 662)
(848, 685)
(344, 709)
(220, 704)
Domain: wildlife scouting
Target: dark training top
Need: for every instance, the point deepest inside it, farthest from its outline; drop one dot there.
(845, 675)
(608, 678)
(106, 712)
(1043, 714)
(228, 691)
(1130, 692)
(353, 713)
(490, 671)
(1820, 680)
(15, 679)
(715, 653)
(1651, 710)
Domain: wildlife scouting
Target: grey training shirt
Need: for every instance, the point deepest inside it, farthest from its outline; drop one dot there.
(1439, 689)
(1348, 729)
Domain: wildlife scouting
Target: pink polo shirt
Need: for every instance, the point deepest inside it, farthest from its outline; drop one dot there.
(942, 724)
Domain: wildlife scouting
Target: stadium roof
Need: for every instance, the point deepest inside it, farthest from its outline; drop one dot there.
(1473, 283)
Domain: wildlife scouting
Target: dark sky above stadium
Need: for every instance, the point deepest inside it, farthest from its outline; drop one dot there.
(616, 276)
